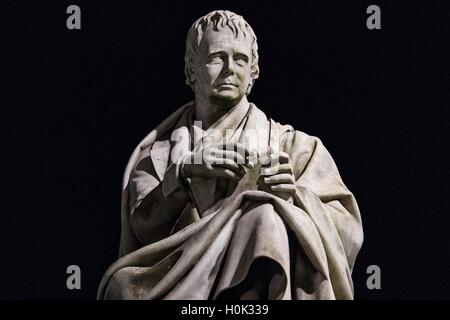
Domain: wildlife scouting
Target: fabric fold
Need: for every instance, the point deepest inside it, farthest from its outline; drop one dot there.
(247, 243)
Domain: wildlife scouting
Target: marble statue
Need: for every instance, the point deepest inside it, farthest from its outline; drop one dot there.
(221, 202)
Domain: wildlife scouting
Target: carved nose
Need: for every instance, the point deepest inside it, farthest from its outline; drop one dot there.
(227, 71)
(228, 68)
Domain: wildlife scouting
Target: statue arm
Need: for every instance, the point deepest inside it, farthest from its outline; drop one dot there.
(322, 193)
(153, 217)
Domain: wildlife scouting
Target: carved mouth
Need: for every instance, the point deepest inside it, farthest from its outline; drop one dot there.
(226, 84)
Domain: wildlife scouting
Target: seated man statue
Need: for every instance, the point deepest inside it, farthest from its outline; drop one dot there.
(220, 202)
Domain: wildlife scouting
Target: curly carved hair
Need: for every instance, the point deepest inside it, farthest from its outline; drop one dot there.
(218, 20)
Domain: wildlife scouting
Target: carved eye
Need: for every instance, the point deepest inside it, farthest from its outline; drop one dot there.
(215, 59)
(241, 60)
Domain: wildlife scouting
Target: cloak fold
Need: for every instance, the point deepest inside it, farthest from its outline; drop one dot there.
(244, 243)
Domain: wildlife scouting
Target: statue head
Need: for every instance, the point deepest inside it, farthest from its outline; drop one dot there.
(221, 59)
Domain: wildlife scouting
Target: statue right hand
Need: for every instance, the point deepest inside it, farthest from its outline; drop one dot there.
(218, 160)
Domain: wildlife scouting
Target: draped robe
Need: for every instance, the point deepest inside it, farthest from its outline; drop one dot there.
(219, 239)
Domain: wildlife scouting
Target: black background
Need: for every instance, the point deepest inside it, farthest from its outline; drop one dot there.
(75, 103)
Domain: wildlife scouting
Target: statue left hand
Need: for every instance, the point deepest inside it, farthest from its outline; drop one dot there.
(278, 178)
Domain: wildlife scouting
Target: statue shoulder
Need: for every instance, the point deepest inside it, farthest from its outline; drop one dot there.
(290, 138)
(157, 134)
(163, 130)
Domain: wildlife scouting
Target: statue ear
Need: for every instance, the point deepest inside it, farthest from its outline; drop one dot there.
(191, 70)
(249, 88)
(254, 75)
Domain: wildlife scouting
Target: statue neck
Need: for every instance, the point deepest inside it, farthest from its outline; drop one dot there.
(209, 112)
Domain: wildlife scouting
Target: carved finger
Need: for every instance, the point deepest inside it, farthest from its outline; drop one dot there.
(286, 188)
(250, 157)
(231, 165)
(283, 178)
(283, 157)
(233, 155)
(225, 173)
(277, 169)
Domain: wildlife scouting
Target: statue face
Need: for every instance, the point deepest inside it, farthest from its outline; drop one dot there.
(223, 67)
